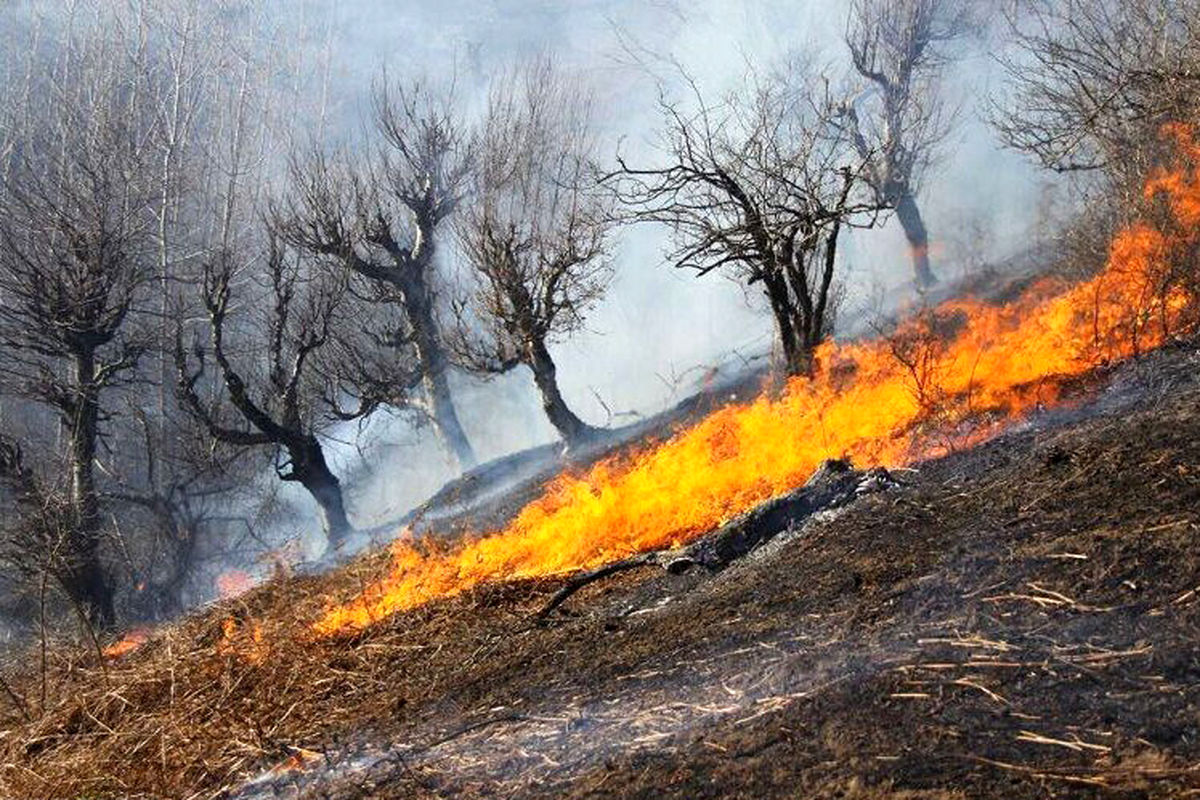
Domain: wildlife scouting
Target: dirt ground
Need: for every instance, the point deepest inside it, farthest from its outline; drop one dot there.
(1020, 620)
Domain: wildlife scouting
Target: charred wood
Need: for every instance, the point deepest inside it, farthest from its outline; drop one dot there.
(835, 484)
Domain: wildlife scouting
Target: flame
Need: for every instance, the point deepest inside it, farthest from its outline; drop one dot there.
(298, 761)
(887, 401)
(244, 641)
(127, 644)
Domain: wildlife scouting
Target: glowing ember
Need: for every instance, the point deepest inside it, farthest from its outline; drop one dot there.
(991, 363)
(296, 762)
(130, 642)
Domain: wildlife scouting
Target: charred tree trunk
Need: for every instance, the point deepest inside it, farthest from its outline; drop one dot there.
(545, 375)
(796, 360)
(909, 215)
(419, 307)
(311, 471)
(834, 484)
(86, 580)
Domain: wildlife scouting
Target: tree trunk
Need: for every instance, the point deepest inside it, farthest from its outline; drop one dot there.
(86, 578)
(797, 359)
(312, 471)
(445, 415)
(918, 238)
(570, 427)
(419, 308)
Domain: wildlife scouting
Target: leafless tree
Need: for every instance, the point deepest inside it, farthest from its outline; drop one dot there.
(36, 518)
(74, 267)
(283, 406)
(381, 223)
(1091, 81)
(899, 49)
(535, 231)
(760, 184)
(135, 140)
(178, 504)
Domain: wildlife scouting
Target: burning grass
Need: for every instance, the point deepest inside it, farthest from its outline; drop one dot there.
(932, 579)
(208, 703)
(258, 681)
(868, 402)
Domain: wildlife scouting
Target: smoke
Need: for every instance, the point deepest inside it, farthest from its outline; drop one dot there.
(656, 323)
(642, 344)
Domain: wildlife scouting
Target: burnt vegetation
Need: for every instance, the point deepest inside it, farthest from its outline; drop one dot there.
(210, 288)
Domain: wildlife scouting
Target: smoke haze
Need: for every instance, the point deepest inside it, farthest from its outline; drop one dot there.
(642, 345)
(656, 323)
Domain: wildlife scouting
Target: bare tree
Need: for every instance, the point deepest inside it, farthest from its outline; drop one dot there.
(535, 231)
(286, 407)
(135, 140)
(382, 224)
(36, 518)
(899, 49)
(1091, 81)
(74, 266)
(178, 505)
(759, 184)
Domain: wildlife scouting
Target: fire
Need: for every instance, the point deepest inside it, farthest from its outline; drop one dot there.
(872, 401)
(127, 644)
(298, 761)
(244, 641)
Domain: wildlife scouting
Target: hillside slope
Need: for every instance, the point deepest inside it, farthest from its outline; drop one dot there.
(1020, 620)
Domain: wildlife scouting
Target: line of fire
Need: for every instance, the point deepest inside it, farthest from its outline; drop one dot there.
(494, 398)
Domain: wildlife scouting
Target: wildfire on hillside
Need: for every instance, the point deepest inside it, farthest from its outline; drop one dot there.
(890, 401)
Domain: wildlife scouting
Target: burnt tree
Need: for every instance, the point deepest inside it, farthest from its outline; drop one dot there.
(899, 49)
(761, 185)
(534, 232)
(286, 407)
(381, 223)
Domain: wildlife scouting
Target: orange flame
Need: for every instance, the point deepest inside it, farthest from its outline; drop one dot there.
(244, 641)
(862, 402)
(298, 761)
(127, 644)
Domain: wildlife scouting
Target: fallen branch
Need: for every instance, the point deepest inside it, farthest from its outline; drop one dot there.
(835, 484)
(585, 578)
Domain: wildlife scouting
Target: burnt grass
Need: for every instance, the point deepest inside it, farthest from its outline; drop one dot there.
(1019, 620)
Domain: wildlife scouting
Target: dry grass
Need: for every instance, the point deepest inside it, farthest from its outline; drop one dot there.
(983, 621)
(207, 703)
